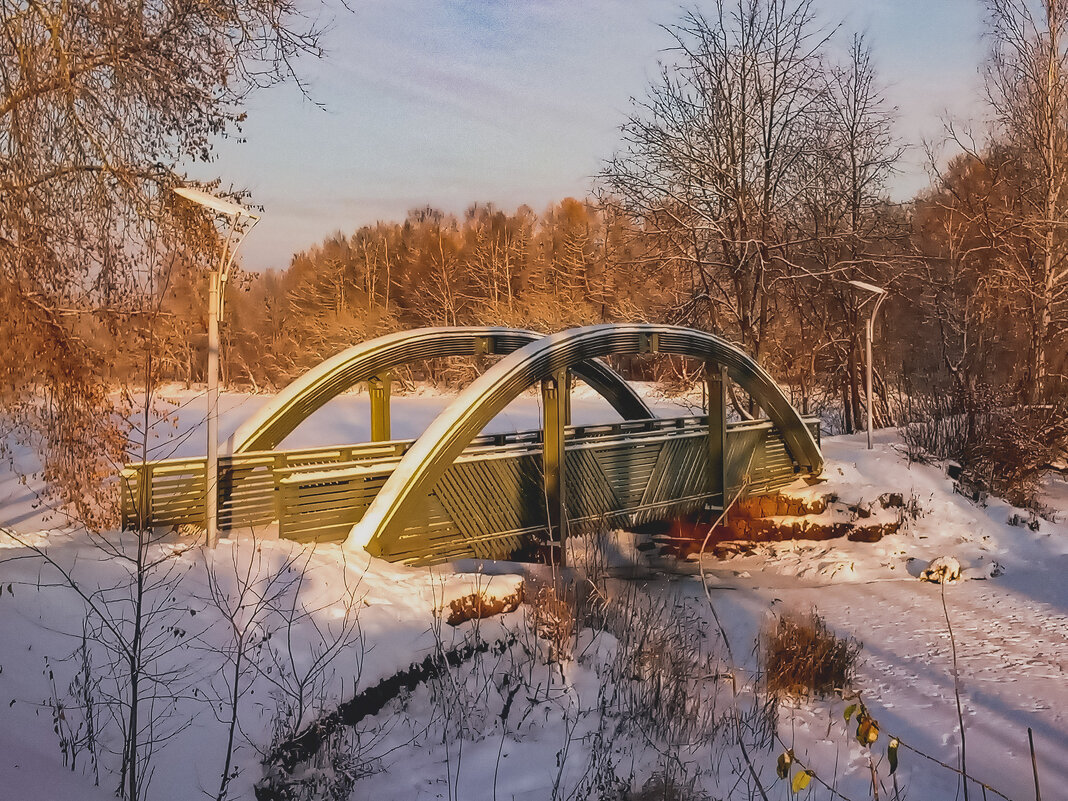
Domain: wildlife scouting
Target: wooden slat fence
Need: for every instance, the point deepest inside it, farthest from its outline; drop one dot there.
(488, 502)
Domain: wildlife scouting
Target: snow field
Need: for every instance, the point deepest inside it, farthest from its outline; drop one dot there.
(564, 734)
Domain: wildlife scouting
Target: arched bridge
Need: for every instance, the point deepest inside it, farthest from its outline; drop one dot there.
(454, 492)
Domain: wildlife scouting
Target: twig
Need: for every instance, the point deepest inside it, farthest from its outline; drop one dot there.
(956, 691)
(833, 790)
(958, 771)
(704, 544)
(719, 623)
(1034, 763)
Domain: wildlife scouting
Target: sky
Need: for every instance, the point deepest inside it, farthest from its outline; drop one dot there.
(511, 102)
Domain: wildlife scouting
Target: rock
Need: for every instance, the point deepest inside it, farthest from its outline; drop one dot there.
(941, 570)
(892, 500)
(872, 533)
(478, 605)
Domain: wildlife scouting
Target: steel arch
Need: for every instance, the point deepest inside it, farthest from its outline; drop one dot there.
(428, 458)
(277, 419)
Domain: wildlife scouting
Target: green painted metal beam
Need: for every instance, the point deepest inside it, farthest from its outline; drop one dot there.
(424, 502)
(424, 464)
(378, 388)
(554, 393)
(716, 392)
(278, 418)
(617, 474)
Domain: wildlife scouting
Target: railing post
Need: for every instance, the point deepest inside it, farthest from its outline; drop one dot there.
(554, 402)
(716, 381)
(224, 505)
(127, 499)
(276, 470)
(378, 387)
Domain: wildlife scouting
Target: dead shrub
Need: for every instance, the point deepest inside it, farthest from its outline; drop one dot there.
(478, 605)
(1018, 449)
(802, 656)
(1003, 448)
(933, 425)
(552, 616)
(664, 677)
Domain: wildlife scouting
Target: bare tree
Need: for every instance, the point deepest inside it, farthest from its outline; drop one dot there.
(1027, 86)
(436, 261)
(101, 102)
(846, 227)
(710, 164)
(496, 250)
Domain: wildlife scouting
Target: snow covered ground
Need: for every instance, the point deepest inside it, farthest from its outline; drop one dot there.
(459, 735)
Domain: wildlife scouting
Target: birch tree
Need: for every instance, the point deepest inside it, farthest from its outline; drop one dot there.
(1027, 87)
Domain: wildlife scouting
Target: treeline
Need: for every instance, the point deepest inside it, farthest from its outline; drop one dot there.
(749, 192)
(952, 317)
(571, 265)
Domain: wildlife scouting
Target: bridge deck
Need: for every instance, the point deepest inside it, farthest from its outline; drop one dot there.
(489, 503)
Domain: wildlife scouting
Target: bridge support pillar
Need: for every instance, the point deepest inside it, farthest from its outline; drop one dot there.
(716, 380)
(555, 402)
(378, 387)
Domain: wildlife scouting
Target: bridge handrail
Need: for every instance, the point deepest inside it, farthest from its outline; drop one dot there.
(343, 470)
(552, 356)
(279, 466)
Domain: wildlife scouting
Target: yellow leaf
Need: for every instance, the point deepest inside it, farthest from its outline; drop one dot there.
(873, 731)
(867, 731)
(801, 780)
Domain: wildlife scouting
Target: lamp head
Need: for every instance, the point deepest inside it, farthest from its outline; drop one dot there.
(877, 290)
(238, 230)
(209, 201)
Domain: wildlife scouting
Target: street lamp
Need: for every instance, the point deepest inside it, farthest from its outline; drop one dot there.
(879, 294)
(235, 214)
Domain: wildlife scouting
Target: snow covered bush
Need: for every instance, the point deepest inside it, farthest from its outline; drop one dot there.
(942, 570)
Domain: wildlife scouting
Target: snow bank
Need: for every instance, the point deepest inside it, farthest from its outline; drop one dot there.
(1009, 615)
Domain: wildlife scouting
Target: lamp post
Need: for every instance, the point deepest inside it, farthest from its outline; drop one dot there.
(234, 213)
(879, 294)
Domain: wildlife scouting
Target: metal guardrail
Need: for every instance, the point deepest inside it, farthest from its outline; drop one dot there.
(486, 504)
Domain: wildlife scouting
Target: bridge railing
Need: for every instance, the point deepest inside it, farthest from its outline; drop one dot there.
(319, 493)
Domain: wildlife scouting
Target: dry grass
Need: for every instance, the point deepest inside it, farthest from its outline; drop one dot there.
(662, 787)
(802, 656)
(552, 616)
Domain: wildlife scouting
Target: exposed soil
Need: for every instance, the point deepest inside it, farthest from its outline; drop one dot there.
(478, 605)
(778, 517)
(281, 763)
